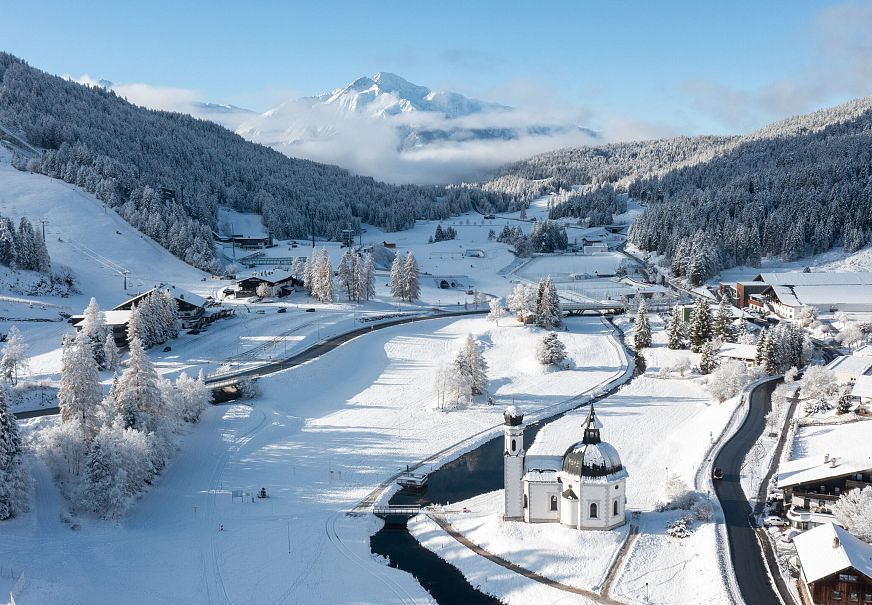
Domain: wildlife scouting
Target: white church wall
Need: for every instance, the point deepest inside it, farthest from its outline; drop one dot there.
(539, 497)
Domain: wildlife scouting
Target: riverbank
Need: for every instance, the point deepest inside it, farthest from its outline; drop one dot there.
(319, 438)
(662, 424)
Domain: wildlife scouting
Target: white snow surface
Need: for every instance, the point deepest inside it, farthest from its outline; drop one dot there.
(659, 426)
(319, 438)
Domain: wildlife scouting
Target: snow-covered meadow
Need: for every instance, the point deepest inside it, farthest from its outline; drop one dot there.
(662, 424)
(319, 438)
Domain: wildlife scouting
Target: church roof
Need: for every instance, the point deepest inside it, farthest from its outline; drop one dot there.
(592, 457)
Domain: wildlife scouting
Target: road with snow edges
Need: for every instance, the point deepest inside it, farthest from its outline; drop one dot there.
(313, 352)
(745, 552)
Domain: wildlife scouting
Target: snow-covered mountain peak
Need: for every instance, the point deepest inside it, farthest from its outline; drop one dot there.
(386, 94)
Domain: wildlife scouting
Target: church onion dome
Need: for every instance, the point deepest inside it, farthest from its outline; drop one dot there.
(592, 457)
(592, 460)
(512, 416)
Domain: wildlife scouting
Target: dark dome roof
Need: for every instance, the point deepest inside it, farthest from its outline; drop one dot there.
(592, 459)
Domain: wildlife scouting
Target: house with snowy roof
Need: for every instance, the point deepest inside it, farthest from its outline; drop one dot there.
(192, 307)
(812, 484)
(747, 354)
(848, 368)
(582, 488)
(786, 294)
(279, 280)
(836, 566)
(116, 321)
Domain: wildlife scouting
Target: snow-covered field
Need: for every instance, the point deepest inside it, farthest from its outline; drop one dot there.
(660, 426)
(319, 438)
(561, 267)
(847, 440)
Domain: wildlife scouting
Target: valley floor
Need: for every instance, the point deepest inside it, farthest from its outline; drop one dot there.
(319, 438)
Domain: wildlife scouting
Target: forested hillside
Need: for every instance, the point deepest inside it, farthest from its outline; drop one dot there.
(796, 187)
(125, 154)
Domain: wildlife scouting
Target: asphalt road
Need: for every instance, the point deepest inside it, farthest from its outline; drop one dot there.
(745, 553)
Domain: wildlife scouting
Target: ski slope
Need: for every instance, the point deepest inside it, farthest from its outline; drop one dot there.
(96, 243)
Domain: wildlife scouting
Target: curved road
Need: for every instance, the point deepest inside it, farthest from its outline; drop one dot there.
(745, 553)
(316, 350)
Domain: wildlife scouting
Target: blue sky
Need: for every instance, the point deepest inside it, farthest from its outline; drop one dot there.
(633, 67)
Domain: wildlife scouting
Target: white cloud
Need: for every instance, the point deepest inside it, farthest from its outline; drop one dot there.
(183, 100)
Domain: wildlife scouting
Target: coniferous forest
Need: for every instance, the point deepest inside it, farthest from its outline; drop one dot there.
(126, 155)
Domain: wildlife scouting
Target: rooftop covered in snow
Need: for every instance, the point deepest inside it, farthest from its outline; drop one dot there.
(820, 468)
(829, 549)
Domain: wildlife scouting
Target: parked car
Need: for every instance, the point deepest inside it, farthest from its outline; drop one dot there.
(718, 473)
(167, 349)
(283, 310)
(260, 311)
(774, 521)
(310, 310)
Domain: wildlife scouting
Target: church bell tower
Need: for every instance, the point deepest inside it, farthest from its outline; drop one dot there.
(513, 463)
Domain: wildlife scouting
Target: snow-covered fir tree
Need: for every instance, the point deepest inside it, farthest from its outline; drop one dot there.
(845, 402)
(137, 397)
(411, 278)
(358, 284)
(495, 311)
(398, 277)
(14, 360)
(548, 313)
(105, 491)
(322, 288)
(94, 331)
(14, 477)
(708, 359)
(641, 328)
(674, 337)
(298, 268)
(723, 324)
(700, 328)
(154, 319)
(369, 278)
(79, 392)
(765, 355)
(471, 366)
(112, 360)
(346, 274)
(522, 301)
(310, 271)
(549, 350)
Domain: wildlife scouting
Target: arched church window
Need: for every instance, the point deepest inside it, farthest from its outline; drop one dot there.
(513, 445)
(553, 502)
(615, 507)
(593, 510)
(525, 500)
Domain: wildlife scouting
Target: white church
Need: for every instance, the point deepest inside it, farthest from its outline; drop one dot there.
(585, 488)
